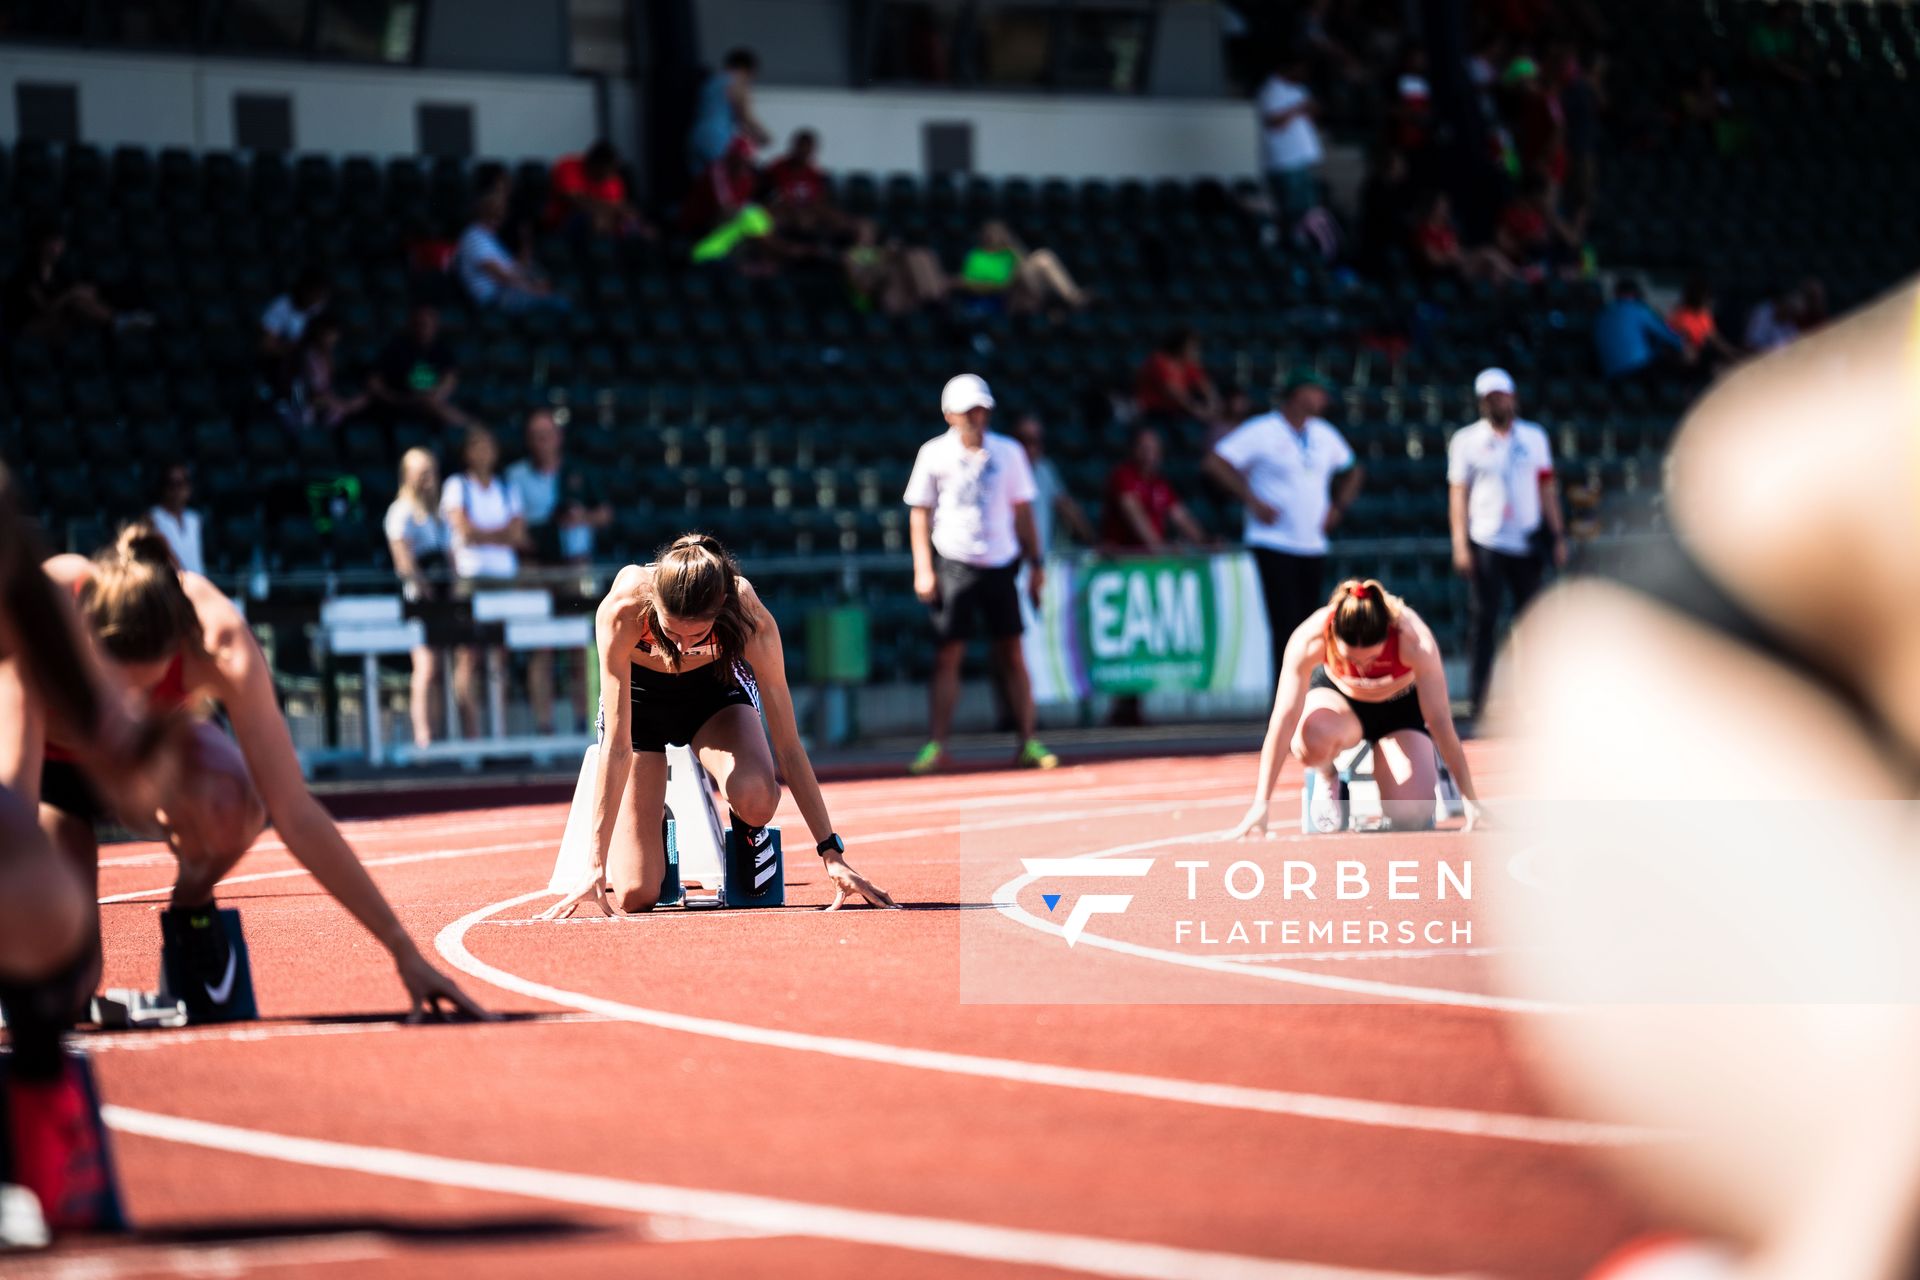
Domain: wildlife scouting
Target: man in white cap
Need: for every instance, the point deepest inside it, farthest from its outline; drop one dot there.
(971, 494)
(1501, 491)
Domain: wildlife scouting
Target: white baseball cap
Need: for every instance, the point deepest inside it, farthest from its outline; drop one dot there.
(1492, 380)
(965, 391)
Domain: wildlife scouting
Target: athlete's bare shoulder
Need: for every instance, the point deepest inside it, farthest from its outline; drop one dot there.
(69, 570)
(626, 600)
(1416, 637)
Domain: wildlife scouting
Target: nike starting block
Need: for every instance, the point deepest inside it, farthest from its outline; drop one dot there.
(1364, 810)
(93, 1204)
(702, 848)
(225, 998)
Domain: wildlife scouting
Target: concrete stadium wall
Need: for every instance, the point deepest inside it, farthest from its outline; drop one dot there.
(159, 101)
(1023, 136)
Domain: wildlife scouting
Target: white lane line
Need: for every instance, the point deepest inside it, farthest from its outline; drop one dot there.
(1009, 1246)
(202, 1261)
(865, 839)
(1006, 897)
(396, 861)
(451, 943)
(164, 1037)
(1431, 953)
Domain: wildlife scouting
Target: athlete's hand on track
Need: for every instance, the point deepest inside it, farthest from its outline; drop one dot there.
(593, 891)
(846, 880)
(436, 997)
(1476, 816)
(1253, 826)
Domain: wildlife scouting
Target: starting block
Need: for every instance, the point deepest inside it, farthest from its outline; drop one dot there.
(702, 848)
(126, 1008)
(1364, 811)
(93, 1204)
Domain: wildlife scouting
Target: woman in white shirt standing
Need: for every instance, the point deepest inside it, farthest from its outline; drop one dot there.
(178, 523)
(418, 539)
(488, 531)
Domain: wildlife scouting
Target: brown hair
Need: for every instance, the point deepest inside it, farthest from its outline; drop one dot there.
(134, 602)
(694, 577)
(1363, 613)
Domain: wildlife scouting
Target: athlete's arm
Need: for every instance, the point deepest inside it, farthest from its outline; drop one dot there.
(1290, 696)
(617, 627)
(1422, 653)
(244, 686)
(920, 535)
(767, 657)
(1029, 535)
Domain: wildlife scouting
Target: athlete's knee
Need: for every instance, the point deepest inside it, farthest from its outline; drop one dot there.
(45, 921)
(754, 794)
(1318, 740)
(633, 895)
(228, 814)
(1408, 815)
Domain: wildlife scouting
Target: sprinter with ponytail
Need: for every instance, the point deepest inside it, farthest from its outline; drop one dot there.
(691, 657)
(175, 640)
(1363, 668)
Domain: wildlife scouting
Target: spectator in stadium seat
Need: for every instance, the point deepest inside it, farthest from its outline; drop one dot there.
(589, 197)
(1693, 320)
(564, 508)
(797, 193)
(1052, 500)
(287, 316)
(313, 400)
(1631, 339)
(1534, 237)
(42, 299)
(1291, 142)
(1501, 497)
(1437, 250)
(492, 276)
(488, 533)
(1774, 322)
(1295, 476)
(418, 540)
(414, 378)
(175, 520)
(898, 278)
(723, 114)
(1772, 46)
(1172, 385)
(1000, 269)
(1141, 504)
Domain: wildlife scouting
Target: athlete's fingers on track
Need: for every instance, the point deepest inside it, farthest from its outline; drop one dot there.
(839, 896)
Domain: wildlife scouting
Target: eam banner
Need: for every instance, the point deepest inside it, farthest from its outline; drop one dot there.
(1191, 624)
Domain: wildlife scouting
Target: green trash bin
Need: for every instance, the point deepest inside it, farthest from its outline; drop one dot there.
(837, 649)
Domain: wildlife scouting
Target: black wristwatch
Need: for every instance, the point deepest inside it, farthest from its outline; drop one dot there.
(832, 844)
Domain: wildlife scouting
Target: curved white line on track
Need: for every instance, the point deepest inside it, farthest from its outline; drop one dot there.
(1006, 898)
(761, 1215)
(451, 944)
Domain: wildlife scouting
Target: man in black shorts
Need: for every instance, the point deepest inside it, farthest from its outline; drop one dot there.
(971, 495)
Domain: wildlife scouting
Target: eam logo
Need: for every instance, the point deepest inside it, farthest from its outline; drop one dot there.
(1092, 904)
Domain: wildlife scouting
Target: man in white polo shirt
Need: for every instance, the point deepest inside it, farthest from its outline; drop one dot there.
(1296, 476)
(972, 524)
(1501, 490)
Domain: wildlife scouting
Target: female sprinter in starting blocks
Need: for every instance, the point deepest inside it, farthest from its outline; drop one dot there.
(690, 656)
(50, 1140)
(173, 637)
(1363, 668)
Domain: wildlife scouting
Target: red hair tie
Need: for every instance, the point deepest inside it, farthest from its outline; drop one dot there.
(1360, 592)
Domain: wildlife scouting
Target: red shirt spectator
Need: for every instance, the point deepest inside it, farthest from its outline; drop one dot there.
(1152, 492)
(1140, 504)
(572, 180)
(795, 178)
(587, 192)
(1173, 383)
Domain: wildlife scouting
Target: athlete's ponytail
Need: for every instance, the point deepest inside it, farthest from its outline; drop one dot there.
(695, 579)
(1363, 613)
(134, 601)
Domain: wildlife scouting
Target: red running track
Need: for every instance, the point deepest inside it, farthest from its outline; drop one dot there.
(808, 1094)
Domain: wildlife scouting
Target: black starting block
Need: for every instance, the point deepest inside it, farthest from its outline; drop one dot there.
(24, 1221)
(225, 998)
